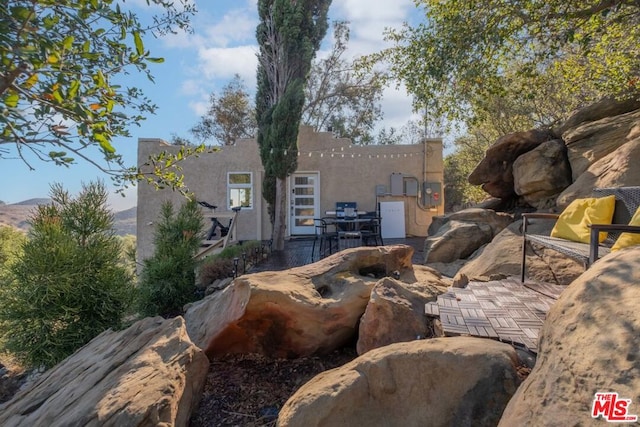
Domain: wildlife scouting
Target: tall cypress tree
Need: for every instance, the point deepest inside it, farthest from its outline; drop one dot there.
(289, 34)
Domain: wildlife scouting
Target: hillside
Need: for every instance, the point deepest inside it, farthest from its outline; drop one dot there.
(16, 215)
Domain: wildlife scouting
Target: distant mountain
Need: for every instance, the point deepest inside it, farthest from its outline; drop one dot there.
(33, 202)
(17, 214)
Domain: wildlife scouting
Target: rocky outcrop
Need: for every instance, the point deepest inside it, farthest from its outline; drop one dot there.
(542, 173)
(618, 169)
(495, 171)
(532, 167)
(456, 240)
(395, 312)
(440, 382)
(502, 258)
(458, 235)
(307, 310)
(147, 375)
(588, 344)
(592, 141)
(606, 107)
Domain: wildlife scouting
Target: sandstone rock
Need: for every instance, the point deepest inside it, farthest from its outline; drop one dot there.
(298, 312)
(448, 269)
(494, 172)
(460, 234)
(496, 220)
(542, 172)
(455, 240)
(395, 312)
(607, 107)
(588, 344)
(502, 258)
(618, 169)
(591, 141)
(147, 375)
(459, 381)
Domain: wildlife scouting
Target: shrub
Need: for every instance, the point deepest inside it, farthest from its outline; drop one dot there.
(219, 268)
(11, 241)
(167, 281)
(68, 285)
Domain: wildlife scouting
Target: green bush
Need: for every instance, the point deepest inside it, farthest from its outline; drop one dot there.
(167, 281)
(69, 284)
(11, 241)
(219, 268)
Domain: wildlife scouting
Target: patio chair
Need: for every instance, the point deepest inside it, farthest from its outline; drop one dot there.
(326, 236)
(371, 231)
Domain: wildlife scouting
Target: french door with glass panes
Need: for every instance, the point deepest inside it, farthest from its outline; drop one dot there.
(304, 202)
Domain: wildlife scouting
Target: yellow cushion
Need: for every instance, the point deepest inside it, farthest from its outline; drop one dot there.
(628, 239)
(573, 223)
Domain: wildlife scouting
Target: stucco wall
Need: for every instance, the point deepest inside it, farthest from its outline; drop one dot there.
(346, 173)
(206, 177)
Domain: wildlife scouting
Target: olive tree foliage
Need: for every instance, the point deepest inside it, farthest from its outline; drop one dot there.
(60, 62)
(230, 116)
(339, 96)
(69, 284)
(289, 34)
(463, 58)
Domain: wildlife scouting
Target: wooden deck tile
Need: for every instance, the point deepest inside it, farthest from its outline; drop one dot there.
(502, 309)
(431, 309)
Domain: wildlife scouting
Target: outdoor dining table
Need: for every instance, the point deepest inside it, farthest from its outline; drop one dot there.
(349, 235)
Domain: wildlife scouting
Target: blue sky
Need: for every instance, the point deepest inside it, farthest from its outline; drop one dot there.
(222, 44)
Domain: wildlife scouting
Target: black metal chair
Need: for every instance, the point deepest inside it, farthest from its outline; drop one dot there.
(371, 231)
(326, 236)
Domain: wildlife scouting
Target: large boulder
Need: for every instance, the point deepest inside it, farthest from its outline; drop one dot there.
(494, 172)
(456, 240)
(496, 220)
(503, 257)
(606, 107)
(591, 141)
(459, 381)
(458, 235)
(307, 310)
(147, 375)
(617, 169)
(541, 173)
(588, 344)
(395, 312)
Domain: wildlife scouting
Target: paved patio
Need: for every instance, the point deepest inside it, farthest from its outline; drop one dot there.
(297, 252)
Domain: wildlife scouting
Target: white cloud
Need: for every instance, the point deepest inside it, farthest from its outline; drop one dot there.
(199, 107)
(223, 63)
(370, 18)
(236, 26)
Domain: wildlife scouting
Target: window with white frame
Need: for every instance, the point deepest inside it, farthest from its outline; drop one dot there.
(239, 190)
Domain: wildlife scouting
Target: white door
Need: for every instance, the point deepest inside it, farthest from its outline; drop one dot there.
(304, 202)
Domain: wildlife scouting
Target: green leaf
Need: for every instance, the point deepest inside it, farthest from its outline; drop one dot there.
(67, 43)
(73, 88)
(138, 42)
(20, 13)
(105, 144)
(11, 100)
(156, 60)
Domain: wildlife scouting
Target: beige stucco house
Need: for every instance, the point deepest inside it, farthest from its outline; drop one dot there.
(330, 170)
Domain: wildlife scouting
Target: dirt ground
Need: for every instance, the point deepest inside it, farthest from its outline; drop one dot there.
(249, 390)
